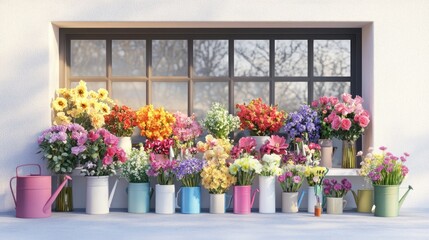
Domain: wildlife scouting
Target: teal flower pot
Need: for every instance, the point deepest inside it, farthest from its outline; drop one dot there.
(138, 197)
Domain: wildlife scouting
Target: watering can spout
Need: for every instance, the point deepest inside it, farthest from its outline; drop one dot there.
(253, 198)
(405, 196)
(54, 196)
(355, 196)
(300, 198)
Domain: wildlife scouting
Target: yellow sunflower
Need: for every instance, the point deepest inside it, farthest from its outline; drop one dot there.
(102, 94)
(105, 109)
(82, 104)
(59, 104)
(97, 121)
(74, 113)
(81, 90)
(61, 119)
(65, 93)
(93, 94)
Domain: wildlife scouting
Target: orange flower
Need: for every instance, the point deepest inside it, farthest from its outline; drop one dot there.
(155, 124)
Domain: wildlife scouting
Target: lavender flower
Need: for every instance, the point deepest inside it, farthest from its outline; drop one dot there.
(188, 171)
(302, 122)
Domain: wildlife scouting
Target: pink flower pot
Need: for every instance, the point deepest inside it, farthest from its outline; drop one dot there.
(242, 201)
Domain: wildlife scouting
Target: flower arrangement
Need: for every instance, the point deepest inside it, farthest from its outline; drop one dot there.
(188, 171)
(275, 145)
(292, 178)
(62, 145)
(219, 122)
(159, 146)
(121, 121)
(304, 124)
(155, 124)
(162, 168)
(271, 165)
(333, 188)
(101, 151)
(216, 151)
(385, 168)
(348, 119)
(246, 145)
(77, 105)
(216, 178)
(135, 168)
(185, 130)
(304, 154)
(259, 118)
(245, 169)
(324, 106)
(315, 175)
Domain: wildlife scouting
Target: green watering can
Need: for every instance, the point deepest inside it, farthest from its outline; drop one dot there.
(364, 200)
(386, 200)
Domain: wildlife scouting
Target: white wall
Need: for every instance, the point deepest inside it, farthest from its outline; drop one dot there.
(395, 50)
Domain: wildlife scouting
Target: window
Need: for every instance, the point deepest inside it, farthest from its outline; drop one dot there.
(188, 69)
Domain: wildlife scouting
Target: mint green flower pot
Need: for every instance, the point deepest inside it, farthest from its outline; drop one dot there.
(386, 200)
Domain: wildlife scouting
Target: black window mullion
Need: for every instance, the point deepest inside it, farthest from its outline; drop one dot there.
(149, 71)
(190, 75)
(272, 71)
(231, 74)
(310, 70)
(109, 64)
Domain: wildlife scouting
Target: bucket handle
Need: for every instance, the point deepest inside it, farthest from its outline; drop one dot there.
(177, 198)
(30, 164)
(11, 189)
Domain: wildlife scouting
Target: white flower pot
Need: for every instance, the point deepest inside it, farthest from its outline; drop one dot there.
(312, 200)
(217, 203)
(327, 152)
(267, 194)
(335, 205)
(97, 194)
(125, 143)
(165, 199)
(290, 202)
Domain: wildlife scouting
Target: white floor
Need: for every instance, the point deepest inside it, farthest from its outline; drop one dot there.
(411, 224)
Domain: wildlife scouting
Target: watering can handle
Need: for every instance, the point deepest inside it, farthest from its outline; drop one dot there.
(30, 164)
(11, 189)
(177, 198)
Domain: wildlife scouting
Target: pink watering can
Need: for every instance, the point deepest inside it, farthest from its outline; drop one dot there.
(33, 194)
(243, 201)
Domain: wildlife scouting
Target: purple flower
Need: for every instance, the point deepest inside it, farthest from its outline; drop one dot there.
(288, 174)
(77, 150)
(305, 120)
(188, 167)
(296, 179)
(382, 148)
(282, 178)
(338, 187)
(404, 170)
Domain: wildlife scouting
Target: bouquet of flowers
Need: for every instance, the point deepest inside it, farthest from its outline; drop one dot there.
(348, 119)
(245, 169)
(259, 118)
(162, 168)
(185, 130)
(62, 145)
(315, 175)
(304, 154)
(271, 165)
(215, 151)
(275, 145)
(304, 124)
(77, 105)
(292, 178)
(101, 151)
(246, 145)
(136, 167)
(324, 106)
(159, 146)
(385, 168)
(121, 121)
(188, 171)
(333, 188)
(219, 122)
(155, 124)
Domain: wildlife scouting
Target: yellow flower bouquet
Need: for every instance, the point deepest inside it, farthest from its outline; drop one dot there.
(78, 105)
(155, 123)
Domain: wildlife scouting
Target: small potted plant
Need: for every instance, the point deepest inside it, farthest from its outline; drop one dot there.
(303, 124)
(121, 122)
(335, 192)
(219, 122)
(291, 181)
(185, 131)
(267, 182)
(135, 171)
(315, 176)
(188, 172)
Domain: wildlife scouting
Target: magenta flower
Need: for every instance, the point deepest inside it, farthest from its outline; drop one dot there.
(382, 148)
(275, 145)
(297, 179)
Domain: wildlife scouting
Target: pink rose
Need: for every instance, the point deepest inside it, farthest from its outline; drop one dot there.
(333, 100)
(363, 121)
(340, 107)
(336, 123)
(331, 117)
(107, 160)
(324, 100)
(346, 124)
(358, 99)
(314, 103)
(93, 136)
(347, 98)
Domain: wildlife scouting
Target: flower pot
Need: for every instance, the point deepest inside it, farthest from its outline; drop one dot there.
(138, 197)
(97, 194)
(125, 143)
(365, 200)
(312, 199)
(217, 203)
(335, 205)
(327, 152)
(267, 194)
(164, 199)
(386, 200)
(242, 200)
(190, 199)
(260, 140)
(290, 202)
(64, 201)
(349, 154)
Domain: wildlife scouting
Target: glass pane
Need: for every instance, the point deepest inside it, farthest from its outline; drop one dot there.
(88, 58)
(128, 57)
(291, 58)
(206, 93)
(244, 92)
(330, 89)
(132, 94)
(332, 58)
(173, 96)
(211, 58)
(94, 86)
(170, 57)
(251, 57)
(291, 95)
